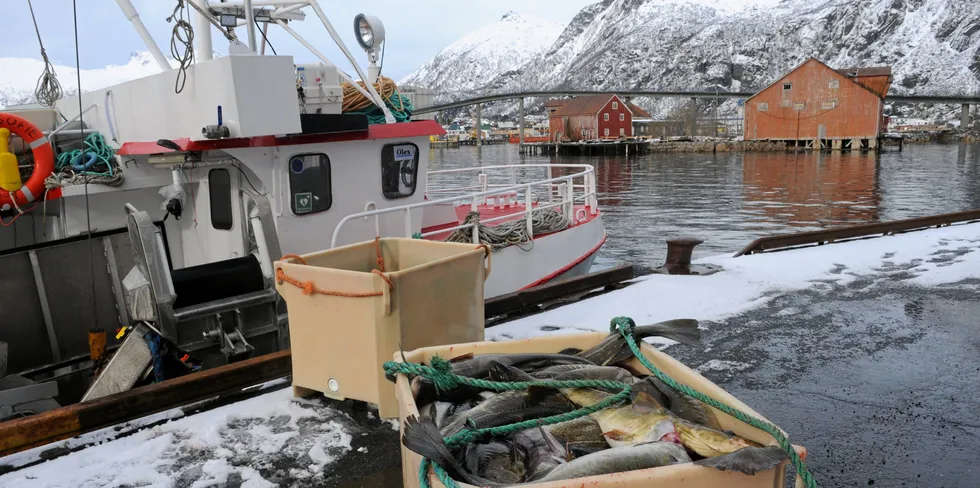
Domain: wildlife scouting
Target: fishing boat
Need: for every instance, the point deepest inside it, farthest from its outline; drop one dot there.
(156, 207)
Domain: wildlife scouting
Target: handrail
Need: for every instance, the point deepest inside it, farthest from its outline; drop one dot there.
(565, 180)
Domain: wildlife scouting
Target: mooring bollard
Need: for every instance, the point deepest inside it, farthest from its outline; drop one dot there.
(678, 262)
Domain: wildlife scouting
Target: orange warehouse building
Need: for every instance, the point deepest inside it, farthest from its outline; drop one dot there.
(817, 106)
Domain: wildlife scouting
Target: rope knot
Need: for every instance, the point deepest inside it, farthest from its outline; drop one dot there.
(308, 288)
(624, 325)
(442, 374)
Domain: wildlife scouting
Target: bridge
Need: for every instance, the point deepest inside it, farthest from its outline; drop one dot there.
(946, 99)
(963, 100)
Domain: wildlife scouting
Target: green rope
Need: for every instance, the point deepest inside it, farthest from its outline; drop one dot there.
(376, 116)
(95, 145)
(442, 376)
(416, 235)
(625, 327)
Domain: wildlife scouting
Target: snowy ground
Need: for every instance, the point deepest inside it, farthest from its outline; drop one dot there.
(926, 258)
(862, 350)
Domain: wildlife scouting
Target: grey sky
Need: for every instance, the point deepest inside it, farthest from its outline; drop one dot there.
(416, 30)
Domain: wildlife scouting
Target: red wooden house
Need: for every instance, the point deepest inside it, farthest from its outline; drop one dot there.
(817, 106)
(590, 117)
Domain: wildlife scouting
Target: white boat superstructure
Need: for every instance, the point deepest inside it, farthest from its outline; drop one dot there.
(213, 170)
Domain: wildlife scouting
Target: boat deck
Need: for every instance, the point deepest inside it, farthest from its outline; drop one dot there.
(865, 352)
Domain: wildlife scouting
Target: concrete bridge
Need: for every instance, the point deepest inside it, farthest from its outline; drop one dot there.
(964, 100)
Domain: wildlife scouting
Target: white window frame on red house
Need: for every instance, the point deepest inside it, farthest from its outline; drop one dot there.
(622, 117)
(605, 132)
(622, 131)
(605, 117)
(615, 106)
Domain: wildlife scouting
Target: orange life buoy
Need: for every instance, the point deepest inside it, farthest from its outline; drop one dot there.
(43, 162)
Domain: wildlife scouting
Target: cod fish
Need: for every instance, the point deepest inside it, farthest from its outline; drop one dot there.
(544, 452)
(642, 421)
(614, 350)
(580, 436)
(496, 461)
(683, 406)
(509, 407)
(619, 459)
(423, 437)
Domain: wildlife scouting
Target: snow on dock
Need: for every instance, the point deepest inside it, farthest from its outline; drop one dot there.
(932, 257)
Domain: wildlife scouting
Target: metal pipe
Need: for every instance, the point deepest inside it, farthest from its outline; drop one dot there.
(323, 58)
(65, 124)
(203, 49)
(390, 119)
(265, 35)
(285, 10)
(250, 28)
(257, 3)
(134, 17)
(265, 261)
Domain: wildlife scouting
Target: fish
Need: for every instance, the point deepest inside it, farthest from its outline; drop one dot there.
(579, 436)
(421, 436)
(683, 406)
(748, 460)
(509, 407)
(640, 422)
(618, 459)
(544, 452)
(614, 350)
(478, 366)
(497, 461)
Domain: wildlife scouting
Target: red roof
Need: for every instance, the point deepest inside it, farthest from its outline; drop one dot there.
(585, 105)
(554, 102)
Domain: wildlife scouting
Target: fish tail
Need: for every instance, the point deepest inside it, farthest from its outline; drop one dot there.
(748, 460)
(423, 437)
(681, 330)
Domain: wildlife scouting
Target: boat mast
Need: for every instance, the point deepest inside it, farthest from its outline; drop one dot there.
(134, 18)
(203, 49)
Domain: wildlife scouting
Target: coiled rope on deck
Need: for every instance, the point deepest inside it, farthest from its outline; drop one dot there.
(94, 163)
(356, 103)
(440, 373)
(512, 233)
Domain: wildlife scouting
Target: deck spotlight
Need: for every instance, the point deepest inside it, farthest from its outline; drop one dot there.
(370, 33)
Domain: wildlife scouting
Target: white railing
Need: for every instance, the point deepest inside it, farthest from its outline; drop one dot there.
(563, 191)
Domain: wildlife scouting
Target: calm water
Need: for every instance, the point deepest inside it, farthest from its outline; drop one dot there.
(730, 199)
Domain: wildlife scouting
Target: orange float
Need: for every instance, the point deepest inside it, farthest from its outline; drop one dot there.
(43, 162)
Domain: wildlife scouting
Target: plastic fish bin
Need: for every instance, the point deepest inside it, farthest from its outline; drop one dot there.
(687, 475)
(345, 320)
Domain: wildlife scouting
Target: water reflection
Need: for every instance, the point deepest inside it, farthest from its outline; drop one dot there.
(729, 199)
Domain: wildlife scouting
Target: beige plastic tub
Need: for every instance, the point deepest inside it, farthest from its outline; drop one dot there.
(340, 342)
(676, 476)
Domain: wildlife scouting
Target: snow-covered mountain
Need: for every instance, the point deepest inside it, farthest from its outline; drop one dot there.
(19, 76)
(933, 47)
(493, 50)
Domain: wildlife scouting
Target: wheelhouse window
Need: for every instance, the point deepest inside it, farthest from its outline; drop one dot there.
(219, 196)
(399, 170)
(309, 183)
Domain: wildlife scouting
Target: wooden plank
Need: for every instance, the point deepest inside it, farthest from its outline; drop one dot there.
(865, 230)
(54, 425)
(521, 299)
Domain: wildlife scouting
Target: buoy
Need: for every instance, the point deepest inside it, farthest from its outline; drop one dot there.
(9, 172)
(43, 163)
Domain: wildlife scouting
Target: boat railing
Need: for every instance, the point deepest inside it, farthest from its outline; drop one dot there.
(563, 192)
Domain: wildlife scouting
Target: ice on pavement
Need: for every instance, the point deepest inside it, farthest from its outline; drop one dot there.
(932, 257)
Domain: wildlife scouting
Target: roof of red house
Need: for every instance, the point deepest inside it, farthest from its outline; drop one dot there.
(860, 72)
(554, 102)
(585, 105)
(639, 112)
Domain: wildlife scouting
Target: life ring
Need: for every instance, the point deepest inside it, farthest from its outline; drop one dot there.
(43, 162)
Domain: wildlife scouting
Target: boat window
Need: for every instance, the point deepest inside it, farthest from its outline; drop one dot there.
(309, 183)
(399, 169)
(219, 193)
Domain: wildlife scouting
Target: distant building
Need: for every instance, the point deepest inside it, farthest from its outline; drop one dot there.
(642, 121)
(507, 126)
(817, 106)
(603, 116)
(420, 98)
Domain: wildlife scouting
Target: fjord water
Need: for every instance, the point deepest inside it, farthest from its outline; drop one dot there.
(730, 199)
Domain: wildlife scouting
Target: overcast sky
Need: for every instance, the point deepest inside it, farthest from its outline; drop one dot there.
(416, 29)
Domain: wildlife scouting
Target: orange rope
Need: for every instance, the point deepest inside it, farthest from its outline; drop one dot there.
(309, 288)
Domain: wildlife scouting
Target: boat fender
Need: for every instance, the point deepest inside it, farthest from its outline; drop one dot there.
(43, 162)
